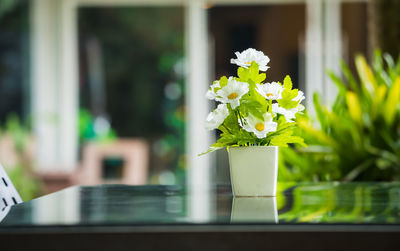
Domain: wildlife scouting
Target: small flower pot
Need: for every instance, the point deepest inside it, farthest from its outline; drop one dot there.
(254, 170)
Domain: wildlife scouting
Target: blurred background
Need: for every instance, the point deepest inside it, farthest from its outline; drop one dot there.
(112, 91)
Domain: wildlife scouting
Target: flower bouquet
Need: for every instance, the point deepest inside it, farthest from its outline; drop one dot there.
(254, 118)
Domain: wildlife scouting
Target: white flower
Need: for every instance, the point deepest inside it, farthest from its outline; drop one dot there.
(289, 114)
(258, 127)
(270, 90)
(232, 92)
(217, 117)
(300, 107)
(300, 97)
(211, 92)
(245, 58)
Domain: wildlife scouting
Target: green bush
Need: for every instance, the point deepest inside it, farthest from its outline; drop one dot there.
(21, 173)
(358, 136)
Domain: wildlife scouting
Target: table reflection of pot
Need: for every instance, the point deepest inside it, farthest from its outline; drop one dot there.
(254, 209)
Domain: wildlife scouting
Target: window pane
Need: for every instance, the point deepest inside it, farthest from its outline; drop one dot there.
(277, 30)
(14, 58)
(354, 30)
(131, 74)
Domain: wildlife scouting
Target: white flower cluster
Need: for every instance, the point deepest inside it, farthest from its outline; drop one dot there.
(245, 58)
(233, 91)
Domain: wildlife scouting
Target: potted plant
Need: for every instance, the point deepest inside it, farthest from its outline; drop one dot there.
(254, 118)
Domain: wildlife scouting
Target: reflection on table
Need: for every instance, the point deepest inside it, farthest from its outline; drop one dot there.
(254, 209)
(313, 203)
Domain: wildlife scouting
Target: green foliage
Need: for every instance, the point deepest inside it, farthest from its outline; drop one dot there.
(358, 136)
(288, 94)
(26, 184)
(285, 138)
(252, 73)
(253, 107)
(21, 174)
(8, 6)
(223, 81)
(88, 132)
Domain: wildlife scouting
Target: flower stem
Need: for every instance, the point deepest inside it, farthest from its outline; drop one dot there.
(270, 107)
(227, 128)
(241, 118)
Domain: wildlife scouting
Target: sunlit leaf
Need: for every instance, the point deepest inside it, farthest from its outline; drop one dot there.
(392, 102)
(365, 73)
(354, 107)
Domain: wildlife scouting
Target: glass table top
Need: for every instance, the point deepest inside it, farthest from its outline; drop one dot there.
(304, 203)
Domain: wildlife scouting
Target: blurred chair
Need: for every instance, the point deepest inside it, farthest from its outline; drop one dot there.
(8, 194)
(57, 180)
(133, 152)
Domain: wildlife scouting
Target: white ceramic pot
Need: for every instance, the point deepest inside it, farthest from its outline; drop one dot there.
(254, 170)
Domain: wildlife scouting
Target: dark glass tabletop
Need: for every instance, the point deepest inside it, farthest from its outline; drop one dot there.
(295, 204)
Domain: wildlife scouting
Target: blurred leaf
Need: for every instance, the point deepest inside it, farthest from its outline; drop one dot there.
(380, 72)
(7, 6)
(366, 75)
(377, 103)
(392, 104)
(338, 82)
(354, 107)
(349, 76)
(320, 113)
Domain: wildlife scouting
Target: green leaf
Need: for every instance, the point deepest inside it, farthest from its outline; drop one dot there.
(381, 75)
(288, 94)
(241, 138)
(212, 148)
(354, 106)
(320, 113)
(287, 99)
(287, 83)
(341, 86)
(231, 122)
(245, 138)
(250, 74)
(253, 69)
(283, 124)
(243, 74)
(260, 78)
(366, 75)
(349, 76)
(286, 138)
(392, 102)
(253, 107)
(223, 81)
(227, 139)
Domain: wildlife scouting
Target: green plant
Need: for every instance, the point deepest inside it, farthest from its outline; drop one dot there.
(358, 136)
(87, 129)
(253, 113)
(21, 172)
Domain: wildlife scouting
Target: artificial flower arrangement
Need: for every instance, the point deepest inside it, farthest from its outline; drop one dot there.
(253, 113)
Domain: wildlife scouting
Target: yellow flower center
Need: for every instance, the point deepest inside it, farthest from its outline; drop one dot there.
(233, 95)
(260, 127)
(248, 62)
(269, 94)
